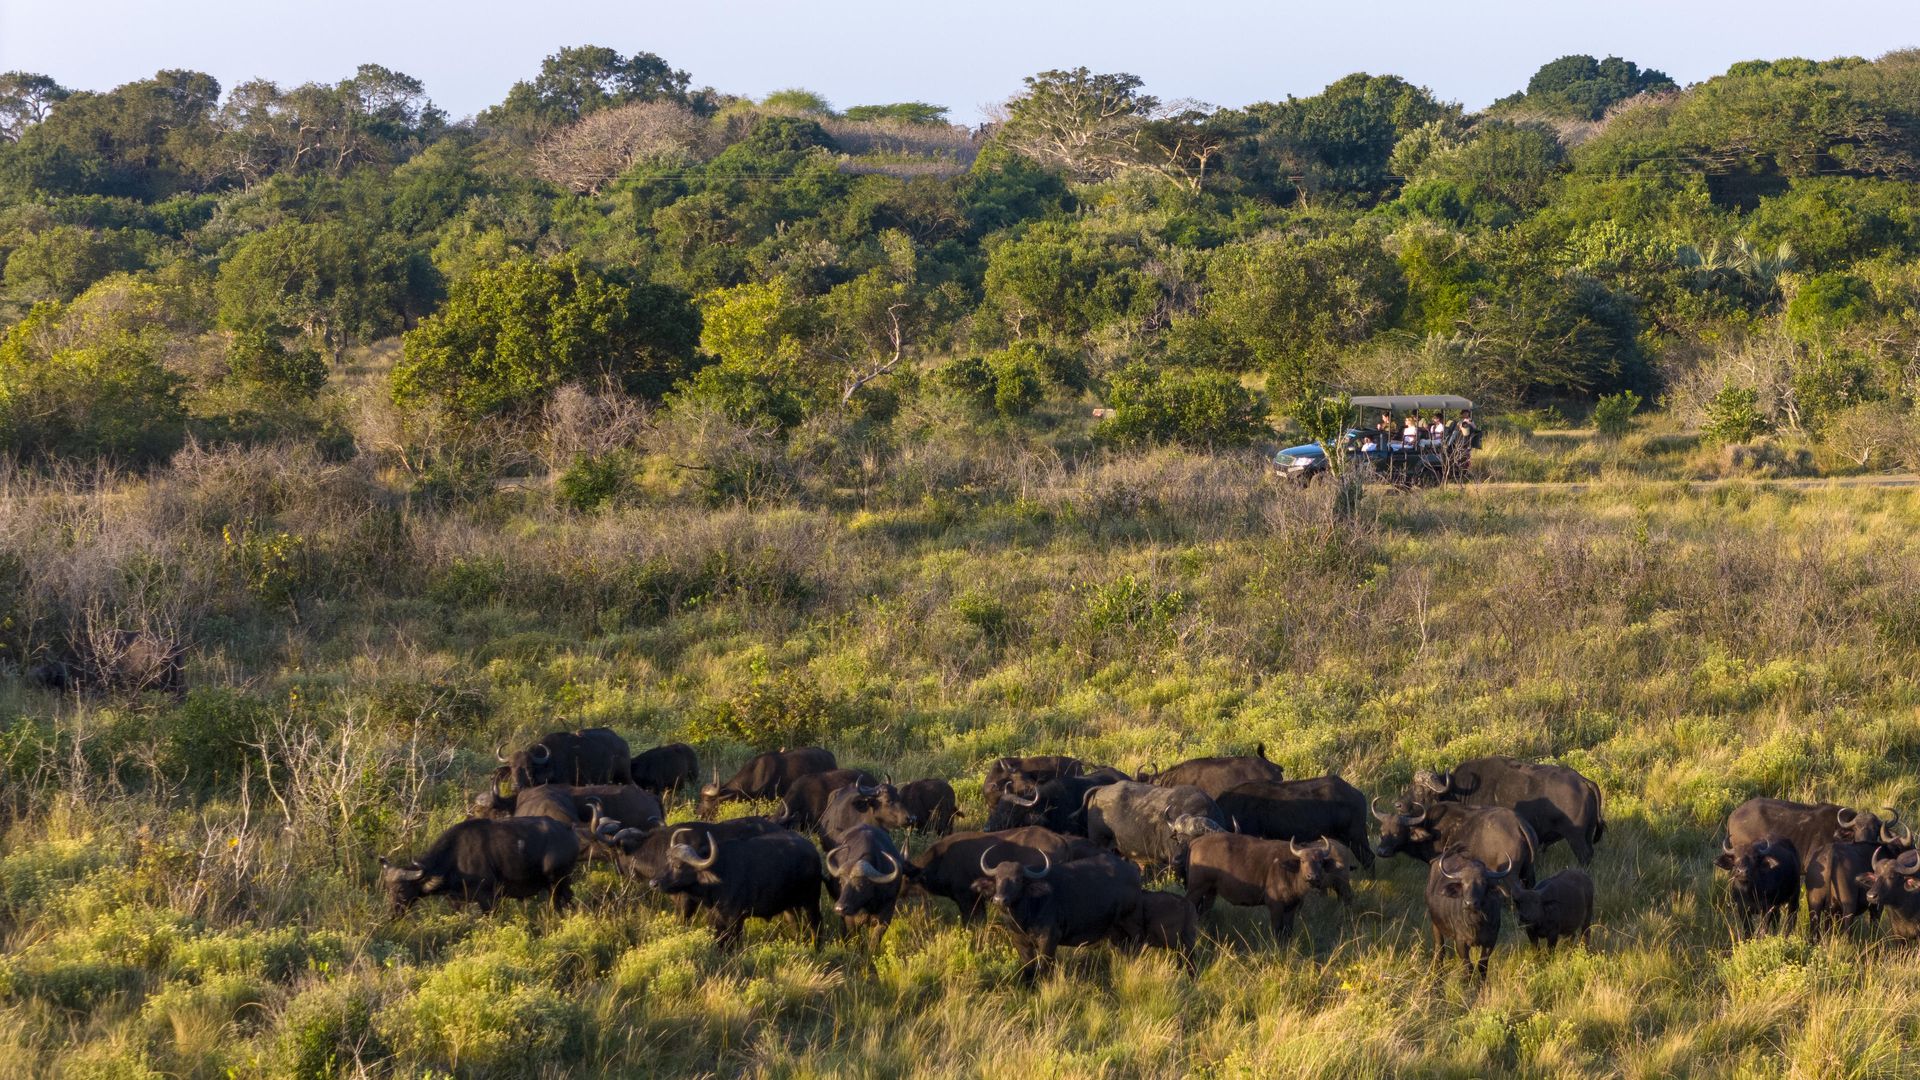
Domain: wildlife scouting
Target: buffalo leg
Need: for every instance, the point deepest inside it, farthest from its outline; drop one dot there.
(726, 930)
(1281, 916)
(562, 894)
(1200, 895)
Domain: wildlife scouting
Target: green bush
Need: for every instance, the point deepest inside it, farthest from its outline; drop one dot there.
(209, 738)
(1734, 416)
(1195, 407)
(784, 709)
(1613, 414)
(593, 480)
(111, 398)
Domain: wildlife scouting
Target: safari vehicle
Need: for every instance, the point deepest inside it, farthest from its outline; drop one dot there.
(1429, 461)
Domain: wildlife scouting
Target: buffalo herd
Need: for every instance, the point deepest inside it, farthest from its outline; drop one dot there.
(1066, 848)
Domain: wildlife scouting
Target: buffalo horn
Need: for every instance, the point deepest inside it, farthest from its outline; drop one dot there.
(984, 868)
(872, 872)
(541, 753)
(830, 867)
(1045, 868)
(1505, 869)
(1846, 817)
(1293, 847)
(1908, 862)
(1031, 800)
(1374, 806)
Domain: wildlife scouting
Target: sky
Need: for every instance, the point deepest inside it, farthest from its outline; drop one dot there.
(966, 56)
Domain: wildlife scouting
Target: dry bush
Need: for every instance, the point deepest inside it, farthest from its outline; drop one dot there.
(578, 422)
(604, 145)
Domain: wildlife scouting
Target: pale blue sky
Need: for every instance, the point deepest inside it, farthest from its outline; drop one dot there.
(963, 55)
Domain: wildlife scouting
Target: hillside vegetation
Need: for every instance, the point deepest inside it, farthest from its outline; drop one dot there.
(345, 444)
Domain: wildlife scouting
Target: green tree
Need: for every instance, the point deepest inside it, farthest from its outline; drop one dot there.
(84, 385)
(901, 112)
(146, 140)
(1581, 87)
(323, 279)
(579, 80)
(1279, 297)
(511, 334)
(1197, 407)
(25, 100)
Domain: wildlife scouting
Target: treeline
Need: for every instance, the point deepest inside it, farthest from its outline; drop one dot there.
(183, 262)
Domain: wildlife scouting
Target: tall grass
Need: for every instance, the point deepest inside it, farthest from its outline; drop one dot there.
(187, 880)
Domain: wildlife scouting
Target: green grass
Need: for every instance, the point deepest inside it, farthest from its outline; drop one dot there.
(161, 915)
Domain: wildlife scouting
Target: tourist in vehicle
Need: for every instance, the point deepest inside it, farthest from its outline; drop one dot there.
(1367, 444)
(1437, 427)
(1464, 428)
(1410, 435)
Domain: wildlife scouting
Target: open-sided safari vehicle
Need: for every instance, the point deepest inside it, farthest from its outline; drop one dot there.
(1386, 453)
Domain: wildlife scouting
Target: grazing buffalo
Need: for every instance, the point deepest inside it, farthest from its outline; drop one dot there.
(1561, 906)
(1764, 877)
(757, 877)
(1058, 804)
(865, 876)
(1893, 886)
(1164, 920)
(1218, 775)
(931, 805)
(1812, 826)
(481, 860)
(573, 804)
(1463, 903)
(641, 854)
(1311, 809)
(1151, 824)
(806, 799)
(1276, 874)
(587, 756)
(1494, 835)
(1836, 895)
(766, 776)
(859, 804)
(664, 770)
(1556, 802)
(1029, 772)
(951, 865)
(1048, 906)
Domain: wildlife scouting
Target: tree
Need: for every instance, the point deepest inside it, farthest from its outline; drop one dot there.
(1053, 280)
(25, 100)
(603, 146)
(902, 112)
(145, 140)
(1340, 141)
(1582, 88)
(579, 80)
(1281, 297)
(511, 334)
(85, 382)
(1197, 407)
(1078, 121)
(324, 280)
(377, 116)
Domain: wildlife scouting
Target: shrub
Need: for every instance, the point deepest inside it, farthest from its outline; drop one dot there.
(593, 480)
(1613, 414)
(785, 709)
(1197, 408)
(110, 398)
(209, 738)
(1734, 416)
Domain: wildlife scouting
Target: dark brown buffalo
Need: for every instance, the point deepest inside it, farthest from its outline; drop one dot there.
(587, 756)
(574, 804)
(931, 804)
(1556, 802)
(1029, 772)
(766, 776)
(1218, 775)
(950, 866)
(1836, 898)
(1812, 826)
(859, 804)
(1049, 906)
(1559, 907)
(1164, 920)
(1494, 835)
(865, 876)
(1763, 876)
(1893, 886)
(480, 861)
(807, 797)
(641, 854)
(1274, 874)
(1059, 804)
(1463, 903)
(664, 770)
(753, 877)
(1310, 809)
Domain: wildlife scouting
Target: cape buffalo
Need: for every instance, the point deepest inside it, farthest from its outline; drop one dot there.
(1494, 835)
(1561, 906)
(666, 769)
(1048, 906)
(1893, 886)
(1764, 877)
(1151, 824)
(759, 877)
(858, 804)
(1812, 826)
(1218, 775)
(1835, 896)
(806, 798)
(1556, 802)
(481, 860)
(1275, 874)
(573, 804)
(1463, 903)
(949, 867)
(931, 805)
(765, 776)
(587, 756)
(1164, 920)
(1028, 771)
(1303, 810)
(641, 854)
(865, 876)
(1058, 804)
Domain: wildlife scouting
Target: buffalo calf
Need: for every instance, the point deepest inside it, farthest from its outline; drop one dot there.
(1764, 876)
(1561, 906)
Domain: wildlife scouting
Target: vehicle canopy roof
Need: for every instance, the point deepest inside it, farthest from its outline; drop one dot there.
(1403, 402)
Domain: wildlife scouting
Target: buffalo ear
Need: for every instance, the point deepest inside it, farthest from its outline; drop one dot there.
(1725, 861)
(983, 885)
(1038, 889)
(1770, 862)
(1913, 884)
(432, 884)
(1863, 880)
(1451, 888)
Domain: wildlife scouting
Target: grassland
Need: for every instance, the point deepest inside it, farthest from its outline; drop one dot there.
(187, 886)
